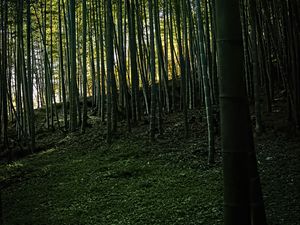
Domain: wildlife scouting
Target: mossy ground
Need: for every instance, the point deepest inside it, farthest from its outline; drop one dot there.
(80, 179)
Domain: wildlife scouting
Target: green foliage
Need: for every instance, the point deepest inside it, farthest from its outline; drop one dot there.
(84, 181)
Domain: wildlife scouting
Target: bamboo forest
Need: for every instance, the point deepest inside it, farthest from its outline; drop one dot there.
(149, 112)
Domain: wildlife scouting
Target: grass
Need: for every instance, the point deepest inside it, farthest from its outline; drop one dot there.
(82, 180)
(125, 183)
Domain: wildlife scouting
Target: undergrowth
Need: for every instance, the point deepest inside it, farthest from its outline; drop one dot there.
(80, 179)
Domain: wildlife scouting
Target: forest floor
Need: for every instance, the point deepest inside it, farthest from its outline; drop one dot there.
(79, 179)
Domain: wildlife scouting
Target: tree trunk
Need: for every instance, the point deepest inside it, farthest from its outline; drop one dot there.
(152, 71)
(73, 93)
(84, 69)
(239, 162)
(110, 66)
(61, 67)
(182, 69)
(206, 85)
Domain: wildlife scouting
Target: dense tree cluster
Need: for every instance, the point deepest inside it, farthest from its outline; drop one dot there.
(140, 60)
(59, 51)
